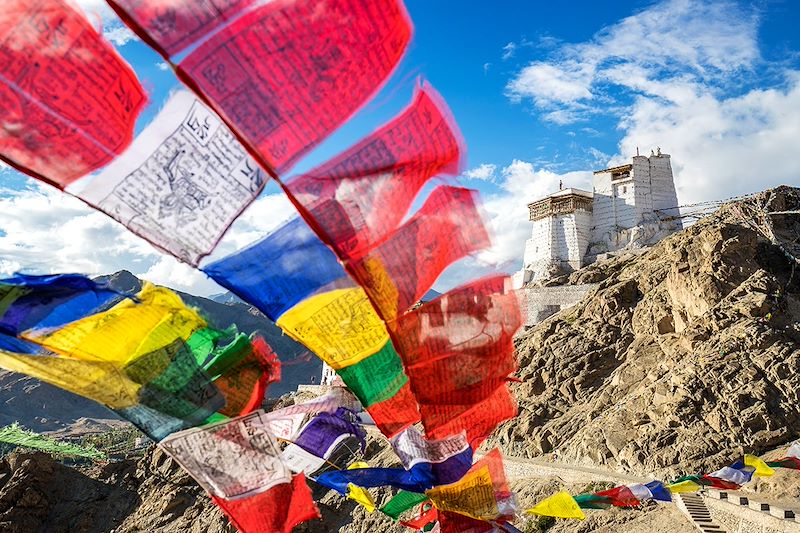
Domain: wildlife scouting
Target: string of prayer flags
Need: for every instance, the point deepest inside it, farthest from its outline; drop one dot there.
(149, 357)
(283, 74)
(279, 271)
(359, 197)
(181, 183)
(482, 493)
(69, 100)
(559, 505)
(341, 327)
(397, 273)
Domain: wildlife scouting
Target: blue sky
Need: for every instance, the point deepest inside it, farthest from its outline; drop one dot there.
(542, 93)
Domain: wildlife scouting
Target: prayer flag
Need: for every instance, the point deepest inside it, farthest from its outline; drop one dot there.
(170, 28)
(658, 491)
(761, 468)
(399, 271)
(45, 302)
(592, 501)
(284, 74)
(402, 502)
(232, 459)
(182, 182)
(620, 496)
(458, 351)
(68, 100)
(481, 494)
(478, 419)
(360, 196)
(681, 487)
(358, 494)
(559, 505)
(277, 510)
(280, 270)
(127, 331)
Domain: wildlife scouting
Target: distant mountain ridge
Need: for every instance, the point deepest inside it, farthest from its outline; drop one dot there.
(42, 407)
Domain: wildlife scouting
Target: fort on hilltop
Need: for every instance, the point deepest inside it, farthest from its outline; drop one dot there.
(630, 206)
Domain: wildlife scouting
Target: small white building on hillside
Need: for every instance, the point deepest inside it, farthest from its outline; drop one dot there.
(630, 206)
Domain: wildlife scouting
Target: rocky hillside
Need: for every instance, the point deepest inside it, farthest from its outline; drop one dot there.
(683, 358)
(41, 407)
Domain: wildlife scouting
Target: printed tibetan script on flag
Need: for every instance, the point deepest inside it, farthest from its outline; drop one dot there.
(231, 459)
(68, 101)
(182, 183)
(286, 74)
(360, 196)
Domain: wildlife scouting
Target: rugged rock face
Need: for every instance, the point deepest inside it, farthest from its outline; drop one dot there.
(39, 494)
(683, 358)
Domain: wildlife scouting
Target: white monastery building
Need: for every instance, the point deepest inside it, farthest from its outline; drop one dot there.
(630, 206)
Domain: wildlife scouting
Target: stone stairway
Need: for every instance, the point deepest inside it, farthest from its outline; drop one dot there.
(692, 505)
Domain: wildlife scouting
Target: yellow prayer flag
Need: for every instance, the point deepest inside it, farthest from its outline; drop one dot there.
(127, 331)
(102, 382)
(360, 494)
(473, 496)
(762, 469)
(340, 326)
(560, 505)
(683, 486)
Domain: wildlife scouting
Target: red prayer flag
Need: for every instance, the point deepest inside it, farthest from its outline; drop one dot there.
(169, 27)
(277, 510)
(362, 195)
(620, 497)
(428, 513)
(68, 101)
(459, 347)
(718, 483)
(398, 272)
(286, 74)
(478, 419)
(458, 523)
(395, 414)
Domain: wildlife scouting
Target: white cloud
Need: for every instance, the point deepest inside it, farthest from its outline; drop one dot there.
(119, 35)
(689, 40)
(162, 65)
(509, 50)
(721, 147)
(45, 231)
(483, 172)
